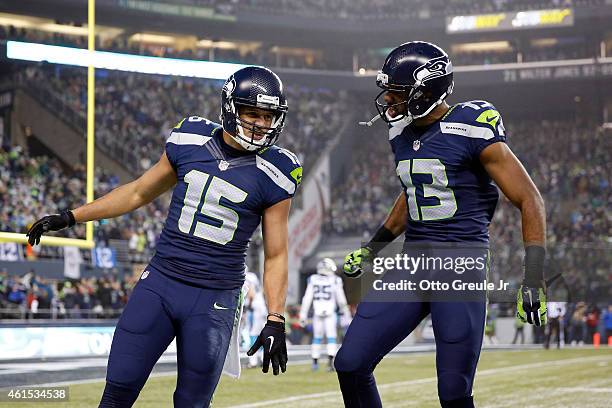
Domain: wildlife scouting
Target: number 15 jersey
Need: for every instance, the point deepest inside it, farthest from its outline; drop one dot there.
(217, 203)
(450, 196)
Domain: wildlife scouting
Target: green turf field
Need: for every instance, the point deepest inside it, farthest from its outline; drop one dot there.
(555, 378)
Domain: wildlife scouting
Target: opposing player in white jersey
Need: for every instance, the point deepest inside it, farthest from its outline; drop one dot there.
(324, 292)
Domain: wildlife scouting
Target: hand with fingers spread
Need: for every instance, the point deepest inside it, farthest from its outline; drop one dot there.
(272, 339)
(56, 222)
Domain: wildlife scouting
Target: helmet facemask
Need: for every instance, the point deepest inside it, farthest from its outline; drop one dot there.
(247, 133)
(401, 107)
(416, 104)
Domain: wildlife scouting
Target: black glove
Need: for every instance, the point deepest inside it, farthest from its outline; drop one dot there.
(272, 338)
(55, 222)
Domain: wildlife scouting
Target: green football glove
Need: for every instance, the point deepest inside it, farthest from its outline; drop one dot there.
(353, 262)
(531, 305)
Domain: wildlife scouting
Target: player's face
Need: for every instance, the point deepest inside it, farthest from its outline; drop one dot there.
(394, 100)
(255, 116)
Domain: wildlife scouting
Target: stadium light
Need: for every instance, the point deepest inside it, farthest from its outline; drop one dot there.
(121, 62)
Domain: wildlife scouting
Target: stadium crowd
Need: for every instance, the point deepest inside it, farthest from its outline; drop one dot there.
(35, 297)
(35, 185)
(384, 9)
(134, 113)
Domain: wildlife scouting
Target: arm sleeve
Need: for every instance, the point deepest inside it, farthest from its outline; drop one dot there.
(306, 302)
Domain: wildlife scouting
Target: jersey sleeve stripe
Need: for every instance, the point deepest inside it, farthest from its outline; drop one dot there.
(462, 129)
(180, 138)
(276, 175)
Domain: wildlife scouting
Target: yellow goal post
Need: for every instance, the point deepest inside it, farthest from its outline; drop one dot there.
(88, 242)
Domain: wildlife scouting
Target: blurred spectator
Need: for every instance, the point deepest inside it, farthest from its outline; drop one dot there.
(519, 330)
(607, 321)
(556, 313)
(577, 328)
(592, 322)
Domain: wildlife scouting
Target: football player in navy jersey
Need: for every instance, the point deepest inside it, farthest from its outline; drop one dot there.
(227, 179)
(447, 158)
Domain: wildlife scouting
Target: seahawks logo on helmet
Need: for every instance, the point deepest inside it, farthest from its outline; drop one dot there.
(229, 86)
(433, 68)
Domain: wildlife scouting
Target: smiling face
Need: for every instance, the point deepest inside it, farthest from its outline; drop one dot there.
(255, 120)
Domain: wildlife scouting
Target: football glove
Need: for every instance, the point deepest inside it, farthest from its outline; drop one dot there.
(55, 222)
(531, 305)
(353, 267)
(272, 339)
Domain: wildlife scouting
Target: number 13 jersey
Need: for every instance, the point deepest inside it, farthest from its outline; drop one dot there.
(217, 203)
(450, 196)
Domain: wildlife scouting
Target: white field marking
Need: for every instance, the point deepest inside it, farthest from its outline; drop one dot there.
(543, 394)
(584, 389)
(540, 396)
(492, 371)
(102, 379)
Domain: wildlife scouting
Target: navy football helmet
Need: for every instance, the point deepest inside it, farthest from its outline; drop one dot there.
(254, 87)
(422, 72)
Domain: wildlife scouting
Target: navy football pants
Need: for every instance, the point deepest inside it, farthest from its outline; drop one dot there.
(380, 326)
(159, 309)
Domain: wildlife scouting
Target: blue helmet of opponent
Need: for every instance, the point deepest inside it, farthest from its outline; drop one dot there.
(253, 87)
(422, 72)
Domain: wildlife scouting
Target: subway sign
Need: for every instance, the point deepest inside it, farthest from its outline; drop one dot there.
(510, 21)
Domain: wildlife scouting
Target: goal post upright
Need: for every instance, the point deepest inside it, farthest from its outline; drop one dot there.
(91, 112)
(88, 242)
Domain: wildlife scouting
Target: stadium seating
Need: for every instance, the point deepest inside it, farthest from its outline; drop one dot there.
(134, 113)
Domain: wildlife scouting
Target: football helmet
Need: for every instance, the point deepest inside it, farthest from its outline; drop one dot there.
(254, 87)
(421, 71)
(327, 266)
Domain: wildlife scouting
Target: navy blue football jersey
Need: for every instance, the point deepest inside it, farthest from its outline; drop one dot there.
(450, 196)
(217, 203)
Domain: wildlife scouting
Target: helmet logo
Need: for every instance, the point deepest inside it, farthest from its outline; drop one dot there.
(433, 68)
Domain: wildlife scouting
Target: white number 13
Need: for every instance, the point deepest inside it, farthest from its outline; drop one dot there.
(438, 189)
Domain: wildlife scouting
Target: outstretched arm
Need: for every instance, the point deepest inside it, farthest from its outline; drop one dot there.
(128, 197)
(121, 200)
